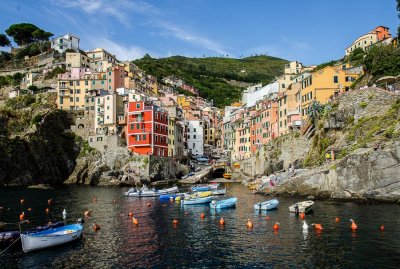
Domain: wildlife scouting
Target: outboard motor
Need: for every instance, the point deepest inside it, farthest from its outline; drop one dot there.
(81, 221)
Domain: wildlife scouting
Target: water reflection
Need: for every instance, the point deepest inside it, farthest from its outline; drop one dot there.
(197, 243)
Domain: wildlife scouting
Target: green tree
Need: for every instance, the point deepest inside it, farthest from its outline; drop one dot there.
(41, 37)
(22, 33)
(17, 77)
(4, 41)
(314, 111)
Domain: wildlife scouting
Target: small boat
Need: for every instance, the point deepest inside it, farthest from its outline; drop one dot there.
(267, 205)
(202, 194)
(219, 192)
(196, 201)
(227, 175)
(205, 187)
(168, 197)
(8, 238)
(146, 192)
(226, 203)
(50, 238)
(131, 190)
(302, 207)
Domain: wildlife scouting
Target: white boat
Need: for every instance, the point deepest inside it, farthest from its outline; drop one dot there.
(219, 192)
(131, 190)
(146, 192)
(267, 205)
(50, 238)
(302, 207)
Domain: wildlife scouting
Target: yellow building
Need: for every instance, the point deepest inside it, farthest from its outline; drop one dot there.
(324, 84)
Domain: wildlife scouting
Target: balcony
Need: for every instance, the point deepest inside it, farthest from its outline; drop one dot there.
(296, 123)
(293, 112)
(121, 120)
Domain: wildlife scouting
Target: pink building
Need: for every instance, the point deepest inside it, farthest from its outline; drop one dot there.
(115, 77)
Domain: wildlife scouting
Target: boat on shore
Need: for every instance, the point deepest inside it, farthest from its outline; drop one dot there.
(227, 175)
(267, 205)
(51, 238)
(302, 207)
(196, 201)
(226, 203)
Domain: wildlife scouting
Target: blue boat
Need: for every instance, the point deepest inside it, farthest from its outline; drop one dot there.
(226, 203)
(50, 238)
(196, 201)
(267, 205)
(200, 188)
(168, 197)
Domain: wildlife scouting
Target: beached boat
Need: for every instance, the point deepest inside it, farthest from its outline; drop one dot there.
(50, 238)
(173, 189)
(302, 207)
(267, 205)
(227, 175)
(219, 192)
(196, 201)
(226, 203)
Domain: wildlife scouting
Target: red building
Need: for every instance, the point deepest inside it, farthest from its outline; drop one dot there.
(147, 129)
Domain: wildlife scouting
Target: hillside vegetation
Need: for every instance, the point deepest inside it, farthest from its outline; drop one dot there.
(211, 75)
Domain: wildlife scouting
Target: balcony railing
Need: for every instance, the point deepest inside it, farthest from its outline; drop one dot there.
(293, 112)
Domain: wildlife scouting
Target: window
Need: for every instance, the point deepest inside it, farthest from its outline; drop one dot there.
(108, 97)
(194, 136)
(137, 137)
(194, 129)
(61, 47)
(132, 126)
(283, 85)
(77, 83)
(86, 83)
(77, 91)
(99, 138)
(108, 107)
(194, 145)
(102, 82)
(335, 79)
(144, 137)
(61, 100)
(188, 136)
(71, 99)
(77, 99)
(71, 83)
(137, 125)
(108, 117)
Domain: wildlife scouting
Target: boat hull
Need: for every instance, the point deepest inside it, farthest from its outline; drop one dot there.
(196, 201)
(227, 203)
(267, 205)
(303, 207)
(219, 192)
(51, 238)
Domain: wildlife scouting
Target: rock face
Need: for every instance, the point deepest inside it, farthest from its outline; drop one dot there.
(46, 154)
(366, 174)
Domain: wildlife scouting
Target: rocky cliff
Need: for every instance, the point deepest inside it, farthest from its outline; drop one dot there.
(362, 129)
(34, 146)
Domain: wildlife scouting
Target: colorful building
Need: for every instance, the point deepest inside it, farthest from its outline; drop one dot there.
(147, 129)
(376, 35)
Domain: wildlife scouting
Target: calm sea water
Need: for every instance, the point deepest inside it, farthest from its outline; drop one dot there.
(203, 243)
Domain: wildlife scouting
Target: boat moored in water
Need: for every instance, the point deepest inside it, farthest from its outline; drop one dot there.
(226, 203)
(51, 238)
(302, 207)
(267, 205)
(196, 201)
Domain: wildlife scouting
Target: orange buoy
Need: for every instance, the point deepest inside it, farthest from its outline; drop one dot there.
(249, 224)
(22, 201)
(135, 221)
(22, 216)
(353, 225)
(148, 204)
(88, 213)
(130, 214)
(47, 211)
(317, 226)
(382, 228)
(267, 217)
(337, 219)
(29, 209)
(202, 215)
(276, 226)
(50, 201)
(302, 215)
(175, 221)
(221, 221)
(96, 227)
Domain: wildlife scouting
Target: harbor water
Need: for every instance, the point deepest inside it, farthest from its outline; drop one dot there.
(203, 243)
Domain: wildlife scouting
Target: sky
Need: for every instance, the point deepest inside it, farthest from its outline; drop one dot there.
(310, 31)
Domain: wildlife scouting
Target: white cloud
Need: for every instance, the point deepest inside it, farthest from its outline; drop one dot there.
(121, 51)
(192, 38)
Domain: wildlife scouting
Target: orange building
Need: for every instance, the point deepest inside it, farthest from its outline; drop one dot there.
(147, 129)
(116, 77)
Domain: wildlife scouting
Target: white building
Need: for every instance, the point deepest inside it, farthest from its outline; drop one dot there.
(62, 43)
(195, 137)
(256, 93)
(107, 110)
